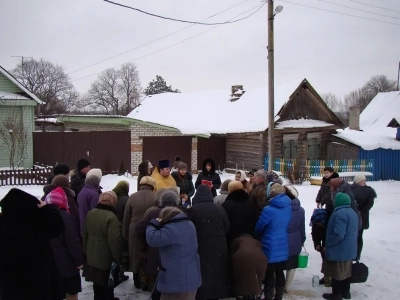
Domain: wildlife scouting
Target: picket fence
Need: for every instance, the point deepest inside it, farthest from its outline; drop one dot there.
(34, 176)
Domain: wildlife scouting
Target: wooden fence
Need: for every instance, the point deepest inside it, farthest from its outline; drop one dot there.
(35, 176)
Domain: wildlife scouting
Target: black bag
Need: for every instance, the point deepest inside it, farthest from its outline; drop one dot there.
(359, 273)
(114, 278)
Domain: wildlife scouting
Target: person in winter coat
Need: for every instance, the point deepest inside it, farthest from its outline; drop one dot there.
(184, 182)
(318, 233)
(168, 199)
(59, 169)
(27, 225)
(251, 180)
(365, 197)
(296, 232)
(341, 247)
(145, 169)
(272, 229)
(209, 173)
(162, 176)
(102, 244)
(240, 176)
(135, 208)
(63, 182)
(88, 198)
(220, 199)
(78, 176)
(241, 212)
(324, 193)
(212, 226)
(259, 191)
(175, 236)
(249, 265)
(66, 248)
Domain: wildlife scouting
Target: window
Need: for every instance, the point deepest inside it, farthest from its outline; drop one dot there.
(290, 146)
(313, 146)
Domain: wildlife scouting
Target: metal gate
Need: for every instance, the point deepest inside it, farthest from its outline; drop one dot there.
(212, 147)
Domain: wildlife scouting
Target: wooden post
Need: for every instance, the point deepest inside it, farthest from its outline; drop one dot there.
(271, 115)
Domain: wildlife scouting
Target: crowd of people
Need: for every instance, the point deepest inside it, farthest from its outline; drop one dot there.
(180, 240)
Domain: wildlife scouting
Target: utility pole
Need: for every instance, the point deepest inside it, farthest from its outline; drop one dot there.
(271, 115)
(22, 61)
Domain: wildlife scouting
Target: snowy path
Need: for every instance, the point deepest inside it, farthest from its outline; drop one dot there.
(381, 244)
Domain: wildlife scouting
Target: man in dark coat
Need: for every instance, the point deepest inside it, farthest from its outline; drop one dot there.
(26, 227)
(365, 197)
(78, 176)
(59, 169)
(208, 172)
(212, 225)
(324, 193)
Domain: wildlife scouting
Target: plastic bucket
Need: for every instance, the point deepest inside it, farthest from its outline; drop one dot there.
(303, 259)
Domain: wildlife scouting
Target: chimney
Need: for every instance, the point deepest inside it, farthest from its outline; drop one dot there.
(354, 118)
(237, 92)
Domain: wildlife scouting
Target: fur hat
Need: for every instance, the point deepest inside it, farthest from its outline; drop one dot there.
(335, 182)
(224, 185)
(169, 198)
(275, 189)
(162, 164)
(57, 197)
(60, 180)
(61, 169)
(291, 191)
(168, 213)
(182, 166)
(358, 178)
(93, 177)
(122, 188)
(108, 198)
(147, 180)
(82, 163)
(235, 186)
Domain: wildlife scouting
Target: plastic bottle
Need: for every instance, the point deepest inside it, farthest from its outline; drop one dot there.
(315, 281)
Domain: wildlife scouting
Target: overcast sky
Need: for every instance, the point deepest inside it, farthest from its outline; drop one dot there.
(337, 53)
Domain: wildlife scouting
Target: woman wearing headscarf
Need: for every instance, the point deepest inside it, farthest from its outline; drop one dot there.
(272, 230)
(341, 247)
(135, 208)
(175, 236)
(145, 168)
(212, 225)
(240, 176)
(102, 244)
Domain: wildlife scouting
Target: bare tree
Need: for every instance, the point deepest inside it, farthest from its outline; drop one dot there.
(14, 137)
(333, 102)
(49, 83)
(116, 92)
(378, 84)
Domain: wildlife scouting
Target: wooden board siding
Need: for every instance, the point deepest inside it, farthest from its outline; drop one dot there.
(243, 151)
(340, 149)
(212, 147)
(107, 149)
(167, 147)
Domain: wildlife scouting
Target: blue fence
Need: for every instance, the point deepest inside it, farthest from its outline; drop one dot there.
(386, 164)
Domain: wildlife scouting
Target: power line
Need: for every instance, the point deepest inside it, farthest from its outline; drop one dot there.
(172, 19)
(339, 13)
(361, 10)
(178, 43)
(156, 40)
(380, 7)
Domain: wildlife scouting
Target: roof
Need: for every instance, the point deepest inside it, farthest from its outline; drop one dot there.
(19, 84)
(12, 96)
(373, 123)
(394, 123)
(212, 111)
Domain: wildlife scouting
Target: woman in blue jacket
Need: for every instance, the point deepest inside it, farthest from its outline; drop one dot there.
(272, 230)
(179, 275)
(341, 247)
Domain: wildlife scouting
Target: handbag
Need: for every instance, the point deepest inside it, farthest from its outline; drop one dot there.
(359, 273)
(114, 277)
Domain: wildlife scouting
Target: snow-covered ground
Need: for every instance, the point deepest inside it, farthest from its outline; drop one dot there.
(381, 243)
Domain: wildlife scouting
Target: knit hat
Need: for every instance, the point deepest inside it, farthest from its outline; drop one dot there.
(319, 216)
(60, 180)
(61, 169)
(235, 186)
(57, 197)
(147, 180)
(358, 178)
(169, 198)
(224, 185)
(158, 195)
(83, 163)
(93, 177)
(122, 188)
(182, 166)
(108, 198)
(341, 199)
(168, 213)
(275, 189)
(162, 164)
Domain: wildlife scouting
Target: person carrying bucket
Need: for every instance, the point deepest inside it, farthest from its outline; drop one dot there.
(272, 230)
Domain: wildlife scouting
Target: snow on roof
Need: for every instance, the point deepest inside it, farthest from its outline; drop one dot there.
(302, 123)
(373, 123)
(19, 84)
(12, 96)
(49, 120)
(212, 111)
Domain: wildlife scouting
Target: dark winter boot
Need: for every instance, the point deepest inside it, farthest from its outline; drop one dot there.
(332, 297)
(269, 293)
(279, 293)
(322, 280)
(346, 289)
(346, 295)
(136, 281)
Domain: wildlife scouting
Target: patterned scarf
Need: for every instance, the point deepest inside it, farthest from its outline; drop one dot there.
(59, 198)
